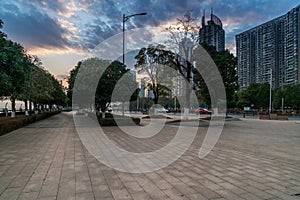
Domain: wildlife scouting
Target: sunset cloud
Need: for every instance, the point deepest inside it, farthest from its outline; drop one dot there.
(50, 27)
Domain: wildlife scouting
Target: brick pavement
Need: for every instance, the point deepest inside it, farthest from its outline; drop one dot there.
(252, 160)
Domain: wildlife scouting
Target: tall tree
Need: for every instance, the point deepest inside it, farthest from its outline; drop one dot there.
(226, 63)
(22, 76)
(108, 82)
(71, 81)
(256, 94)
(111, 73)
(155, 61)
(184, 35)
(291, 95)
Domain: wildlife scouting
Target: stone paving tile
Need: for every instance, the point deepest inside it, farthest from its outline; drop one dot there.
(252, 160)
(102, 191)
(47, 198)
(85, 196)
(10, 194)
(28, 196)
(48, 190)
(66, 190)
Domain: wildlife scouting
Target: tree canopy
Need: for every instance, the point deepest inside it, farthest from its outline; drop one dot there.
(111, 74)
(226, 63)
(257, 95)
(156, 62)
(22, 76)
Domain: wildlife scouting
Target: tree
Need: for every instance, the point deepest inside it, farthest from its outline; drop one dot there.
(22, 76)
(263, 95)
(256, 94)
(291, 95)
(155, 61)
(12, 69)
(89, 69)
(226, 64)
(107, 83)
(184, 35)
(71, 81)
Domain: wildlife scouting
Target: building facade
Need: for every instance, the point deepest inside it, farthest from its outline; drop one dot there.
(270, 51)
(212, 33)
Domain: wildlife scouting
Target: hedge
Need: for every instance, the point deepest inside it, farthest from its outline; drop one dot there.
(109, 119)
(121, 121)
(10, 124)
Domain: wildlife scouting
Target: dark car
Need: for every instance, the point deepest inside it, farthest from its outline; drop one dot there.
(203, 111)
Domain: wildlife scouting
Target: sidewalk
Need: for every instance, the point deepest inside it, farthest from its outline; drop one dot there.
(252, 160)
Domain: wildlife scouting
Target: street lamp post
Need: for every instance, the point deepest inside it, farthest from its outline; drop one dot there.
(270, 100)
(125, 18)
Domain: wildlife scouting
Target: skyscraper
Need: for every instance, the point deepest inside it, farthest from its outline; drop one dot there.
(272, 47)
(212, 33)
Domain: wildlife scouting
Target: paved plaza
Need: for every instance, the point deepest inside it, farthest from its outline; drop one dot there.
(253, 159)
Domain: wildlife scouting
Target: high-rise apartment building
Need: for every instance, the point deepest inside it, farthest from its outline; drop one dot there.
(212, 33)
(272, 47)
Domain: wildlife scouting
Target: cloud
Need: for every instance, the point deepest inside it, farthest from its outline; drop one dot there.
(33, 29)
(86, 23)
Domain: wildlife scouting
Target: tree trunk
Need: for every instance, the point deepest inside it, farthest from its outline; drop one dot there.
(187, 91)
(13, 107)
(30, 108)
(103, 112)
(156, 96)
(26, 107)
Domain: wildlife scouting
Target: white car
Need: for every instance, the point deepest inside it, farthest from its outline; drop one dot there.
(158, 109)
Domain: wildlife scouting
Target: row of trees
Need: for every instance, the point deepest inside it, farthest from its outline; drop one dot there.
(23, 78)
(257, 96)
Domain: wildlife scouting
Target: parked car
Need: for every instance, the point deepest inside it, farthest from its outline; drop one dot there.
(203, 111)
(158, 109)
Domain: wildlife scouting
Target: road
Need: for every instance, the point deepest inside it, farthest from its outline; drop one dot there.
(253, 159)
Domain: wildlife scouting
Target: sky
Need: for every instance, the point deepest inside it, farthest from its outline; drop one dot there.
(63, 32)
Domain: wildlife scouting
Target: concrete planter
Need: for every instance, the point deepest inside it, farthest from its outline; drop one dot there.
(264, 116)
(273, 116)
(282, 117)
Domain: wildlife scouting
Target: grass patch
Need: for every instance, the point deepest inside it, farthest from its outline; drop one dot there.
(8, 124)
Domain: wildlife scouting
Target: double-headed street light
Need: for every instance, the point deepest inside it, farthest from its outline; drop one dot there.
(125, 18)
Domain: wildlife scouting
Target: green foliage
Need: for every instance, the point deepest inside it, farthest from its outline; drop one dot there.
(259, 94)
(89, 69)
(108, 82)
(122, 121)
(226, 63)
(71, 81)
(256, 94)
(155, 61)
(21, 76)
(290, 95)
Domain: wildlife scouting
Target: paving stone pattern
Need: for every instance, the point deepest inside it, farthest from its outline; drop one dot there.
(252, 160)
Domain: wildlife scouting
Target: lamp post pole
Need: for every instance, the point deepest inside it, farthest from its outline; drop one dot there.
(270, 100)
(125, 18)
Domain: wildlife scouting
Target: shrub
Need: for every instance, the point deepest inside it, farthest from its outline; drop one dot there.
(9, 124)
(122, 121)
